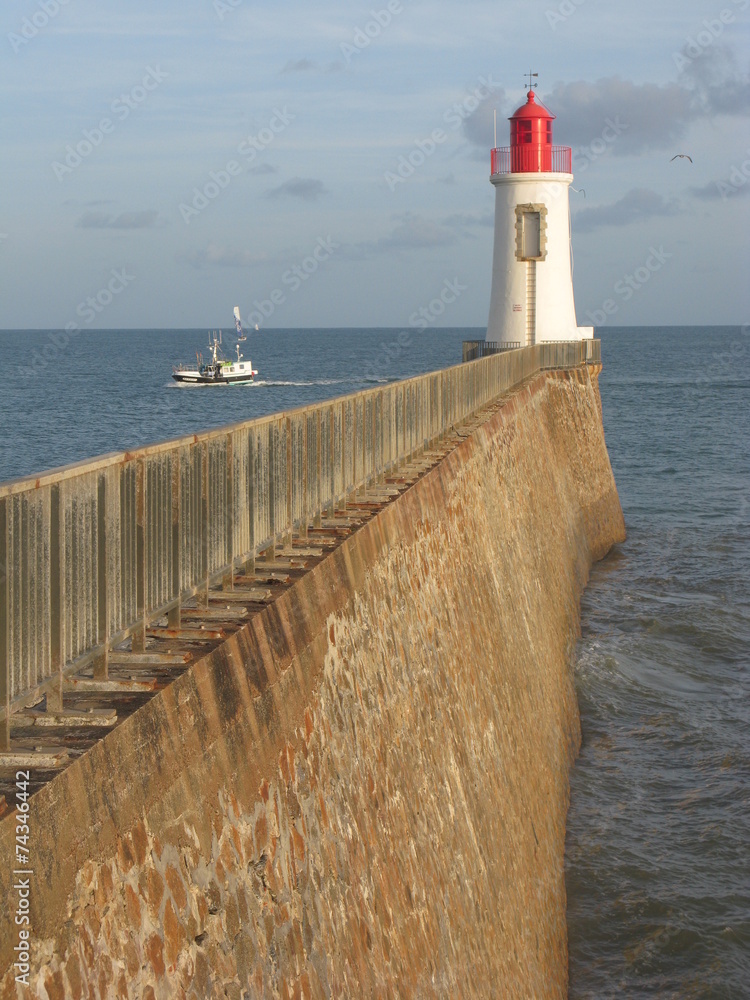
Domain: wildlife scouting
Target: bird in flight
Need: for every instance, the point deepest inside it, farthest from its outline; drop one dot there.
(683, 156)
(579, 191)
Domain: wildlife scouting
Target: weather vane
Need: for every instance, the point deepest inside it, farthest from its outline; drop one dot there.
(531, 79)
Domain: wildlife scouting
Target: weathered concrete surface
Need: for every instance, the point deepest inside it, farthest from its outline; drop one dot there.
(363, 792)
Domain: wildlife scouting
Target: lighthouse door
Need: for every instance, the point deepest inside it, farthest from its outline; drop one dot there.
(531, 236)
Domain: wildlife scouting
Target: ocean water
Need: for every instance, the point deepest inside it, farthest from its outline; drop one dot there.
(109, 391)
(658, 841)
(658, 844)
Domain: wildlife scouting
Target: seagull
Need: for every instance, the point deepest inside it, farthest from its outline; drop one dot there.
(684, 156)
(579, 191)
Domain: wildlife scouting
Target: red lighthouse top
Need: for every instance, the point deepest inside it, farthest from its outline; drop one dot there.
(531, 137)
(531, 150)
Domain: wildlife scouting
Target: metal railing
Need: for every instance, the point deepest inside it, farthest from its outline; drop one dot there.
(473, 349)
(91, 553)
(591, 350)
(531, 159)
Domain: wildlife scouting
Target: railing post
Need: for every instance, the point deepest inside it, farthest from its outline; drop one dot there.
(270, 499)
(202, 597)
(228, 581)
(402, 449)
(342, 501)
(138, 643)
(363, 449)
(305, 492)
(174, 613)
(54, 698)
(319, 466)
(288, 528)
(101, 664)
(331, 458)
(252, 502)
(380, 456)
(4, 630)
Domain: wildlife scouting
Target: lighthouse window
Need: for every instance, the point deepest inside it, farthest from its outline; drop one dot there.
(524, 131)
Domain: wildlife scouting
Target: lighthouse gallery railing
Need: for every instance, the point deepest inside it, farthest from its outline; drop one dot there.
(91, 553)
(531, 159)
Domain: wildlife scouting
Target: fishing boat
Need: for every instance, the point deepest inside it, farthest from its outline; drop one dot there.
(218, 370)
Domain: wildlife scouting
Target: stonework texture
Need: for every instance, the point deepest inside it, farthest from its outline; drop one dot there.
(363, 793)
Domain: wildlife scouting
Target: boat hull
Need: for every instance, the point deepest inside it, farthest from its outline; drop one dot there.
(195, 378)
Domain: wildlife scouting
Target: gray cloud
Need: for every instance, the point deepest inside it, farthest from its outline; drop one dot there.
(480, 125)
(645, 115)
(218, 256)
(299, 66)
(411, 232)
(125, 220)
(637, 204)
(76, 203)
(717, 84)
(462, 221)
(306, 188)
(650, 116)
(309, 66)
(720, 190)
(264, 168)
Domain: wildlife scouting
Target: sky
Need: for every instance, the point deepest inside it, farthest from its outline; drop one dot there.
(327, 164)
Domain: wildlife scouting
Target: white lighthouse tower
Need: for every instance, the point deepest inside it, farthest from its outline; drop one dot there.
(532, 281)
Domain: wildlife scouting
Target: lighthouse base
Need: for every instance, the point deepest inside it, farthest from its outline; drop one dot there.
(532, 282)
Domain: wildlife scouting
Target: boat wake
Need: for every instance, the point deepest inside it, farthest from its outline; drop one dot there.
(274, 383)
(322, 381)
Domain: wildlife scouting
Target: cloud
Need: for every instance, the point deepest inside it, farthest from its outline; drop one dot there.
(462, 221)
(411, 232)
(219, 256)
(479, 126)
(299, 66)
(637, 204)
(125, 220)
(264, 168)
(76, 203)
(638, 117)
(716, 83)
(721, 190)
(306, 188)
(310, 66)
(643, 115)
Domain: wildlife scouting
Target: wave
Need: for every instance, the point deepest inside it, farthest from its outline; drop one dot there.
(352, 380)
(274, 383)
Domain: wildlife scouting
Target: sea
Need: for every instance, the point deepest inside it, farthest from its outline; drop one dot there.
(658, 843)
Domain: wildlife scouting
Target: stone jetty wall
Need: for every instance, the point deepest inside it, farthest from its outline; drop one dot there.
(363, 792)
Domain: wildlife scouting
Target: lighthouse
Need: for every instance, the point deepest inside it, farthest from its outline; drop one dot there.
(532, 276)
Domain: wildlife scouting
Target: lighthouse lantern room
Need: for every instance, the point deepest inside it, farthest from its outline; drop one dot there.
(532, 280)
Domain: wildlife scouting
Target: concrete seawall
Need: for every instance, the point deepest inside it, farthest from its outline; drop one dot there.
(363, 792)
